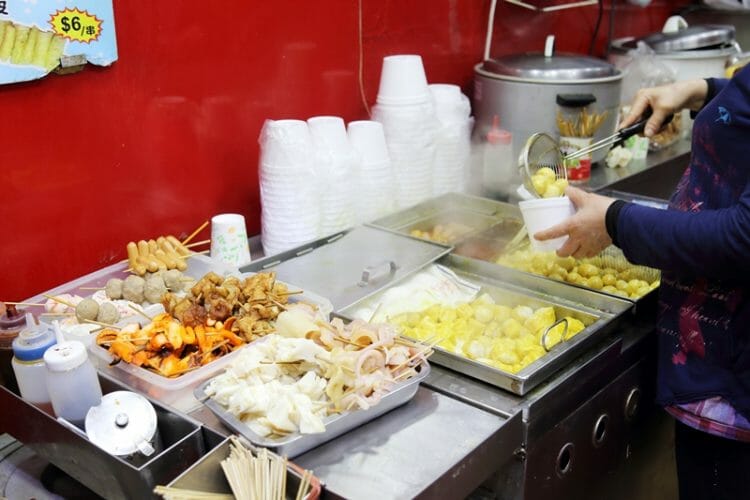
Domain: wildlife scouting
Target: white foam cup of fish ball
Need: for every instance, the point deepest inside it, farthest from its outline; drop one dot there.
(403, 80)
(229, 239)
(285, 144)
(543, 213)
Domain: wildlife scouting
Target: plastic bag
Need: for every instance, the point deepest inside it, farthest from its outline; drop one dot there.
(646, 70)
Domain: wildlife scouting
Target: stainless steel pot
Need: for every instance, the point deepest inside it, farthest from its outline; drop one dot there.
(522, 91)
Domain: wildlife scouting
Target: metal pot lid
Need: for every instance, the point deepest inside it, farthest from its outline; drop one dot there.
(556, 68)
(707, 36)
(123, 424)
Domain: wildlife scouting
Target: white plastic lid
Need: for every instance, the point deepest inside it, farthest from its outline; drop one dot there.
(65, 356)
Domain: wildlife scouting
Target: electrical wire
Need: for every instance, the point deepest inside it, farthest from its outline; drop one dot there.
(596, 27)
(611, 31)
(361, 59)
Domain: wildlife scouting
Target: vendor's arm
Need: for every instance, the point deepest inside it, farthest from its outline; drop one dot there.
(713, 243)
(669, 99)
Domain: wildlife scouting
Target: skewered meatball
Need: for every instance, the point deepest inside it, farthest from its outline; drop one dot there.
(87, 309)
(108, 313)
(132, 289)
(173, 280)
(154, 289)
(113, 289)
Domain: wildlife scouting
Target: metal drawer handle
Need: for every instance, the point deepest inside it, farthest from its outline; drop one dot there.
(372, 273)
(565, 459)
(550, 328)
(632, 403)
(599, 433)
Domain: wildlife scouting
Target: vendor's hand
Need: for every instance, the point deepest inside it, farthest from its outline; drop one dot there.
(586, 230)
(664, 101)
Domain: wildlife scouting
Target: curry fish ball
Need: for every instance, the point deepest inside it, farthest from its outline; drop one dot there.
(132, 289)
(108, 313)
(588, 270)
(595, 282)
(87, 309)
(113, 289)
(552, 191)
(609, 279)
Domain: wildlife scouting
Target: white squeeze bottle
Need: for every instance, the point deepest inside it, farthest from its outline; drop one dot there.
(28, 362)
(71, 380)
(498, 164)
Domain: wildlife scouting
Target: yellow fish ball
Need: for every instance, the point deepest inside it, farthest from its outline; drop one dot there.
(595, 282)
(552, 191)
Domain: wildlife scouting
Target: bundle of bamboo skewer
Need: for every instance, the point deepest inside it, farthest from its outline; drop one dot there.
(581, 124)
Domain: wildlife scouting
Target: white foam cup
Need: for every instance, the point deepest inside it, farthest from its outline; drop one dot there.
(229, 239)
(329, 133)
(368, 139)
(543, 213)
(403, 80)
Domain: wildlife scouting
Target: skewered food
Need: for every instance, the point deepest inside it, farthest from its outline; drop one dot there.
(255, 301)
(154, 288)
(168, 347)
(108, 313)
(132, 289)
(166, 252)
(291, 380)
(113, 288)
(87, 309)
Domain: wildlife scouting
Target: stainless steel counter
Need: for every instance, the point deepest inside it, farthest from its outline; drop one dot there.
(458, 433)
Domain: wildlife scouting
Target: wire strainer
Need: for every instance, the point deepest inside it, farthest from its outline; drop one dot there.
(540, 151)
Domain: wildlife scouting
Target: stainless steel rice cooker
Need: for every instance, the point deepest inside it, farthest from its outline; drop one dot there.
(124, 425)
(522, 90)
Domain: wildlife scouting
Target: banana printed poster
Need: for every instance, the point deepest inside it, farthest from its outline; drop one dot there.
(38, 36)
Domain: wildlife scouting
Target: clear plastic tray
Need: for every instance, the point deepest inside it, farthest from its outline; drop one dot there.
(177, 391)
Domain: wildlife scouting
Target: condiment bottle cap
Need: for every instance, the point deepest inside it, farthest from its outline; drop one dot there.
(496, 135)
(33, 341)
(65, 356)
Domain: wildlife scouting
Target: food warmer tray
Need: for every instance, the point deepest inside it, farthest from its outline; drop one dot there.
(601, 311)
(296, 443)
(496, 224)
(478, 214)
(351, 265)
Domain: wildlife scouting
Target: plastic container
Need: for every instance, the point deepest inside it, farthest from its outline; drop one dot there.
(72, 381)
(498, 164)
(28, 362)
(11, 323)
(403, 80)
(543, 213)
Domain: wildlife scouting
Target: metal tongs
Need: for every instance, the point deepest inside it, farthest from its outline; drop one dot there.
(616, 138)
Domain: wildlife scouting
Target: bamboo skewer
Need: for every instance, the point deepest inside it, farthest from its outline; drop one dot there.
(192, 235)
(91, 288)
(105, 325)
(23, 304)
(59, 300)
(140, 311)
(198, 243)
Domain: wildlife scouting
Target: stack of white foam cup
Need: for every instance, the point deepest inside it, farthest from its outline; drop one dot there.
(453, 143)
(405, 109)
(289, 197)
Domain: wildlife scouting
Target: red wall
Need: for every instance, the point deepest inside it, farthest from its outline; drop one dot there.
(167, 136)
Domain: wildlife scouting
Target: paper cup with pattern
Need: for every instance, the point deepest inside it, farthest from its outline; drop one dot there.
(229, 239)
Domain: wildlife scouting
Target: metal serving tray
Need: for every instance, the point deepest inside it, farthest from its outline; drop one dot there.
(184, 442)
(296, 444)
(599, 312)
(479, 214)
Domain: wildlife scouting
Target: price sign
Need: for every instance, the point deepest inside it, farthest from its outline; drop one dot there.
(76, 25)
